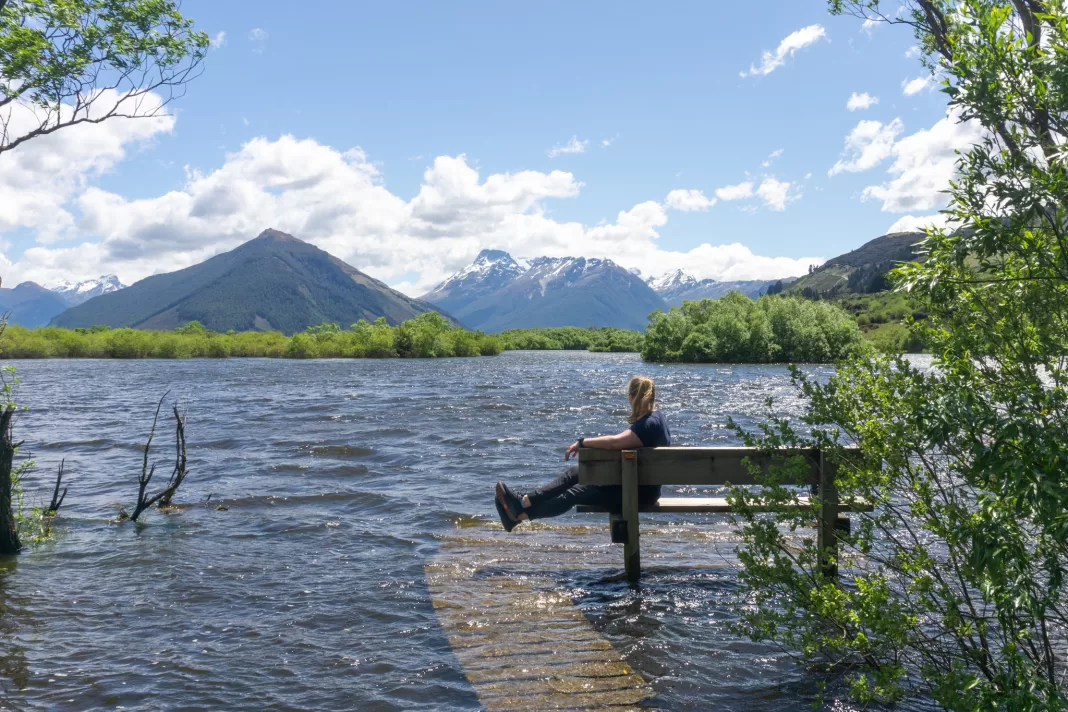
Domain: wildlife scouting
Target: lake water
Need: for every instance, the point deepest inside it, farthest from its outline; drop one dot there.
(359, 542)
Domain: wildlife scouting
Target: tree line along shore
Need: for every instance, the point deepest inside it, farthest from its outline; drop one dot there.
(733, 328)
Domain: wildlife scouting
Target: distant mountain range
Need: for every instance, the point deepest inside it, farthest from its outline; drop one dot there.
(278, 282)
(861, 271)
(273, 282)
(495, 293)
(31, 305)
(678, 287)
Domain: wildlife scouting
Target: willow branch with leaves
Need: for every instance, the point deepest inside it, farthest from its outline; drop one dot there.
(70, 62)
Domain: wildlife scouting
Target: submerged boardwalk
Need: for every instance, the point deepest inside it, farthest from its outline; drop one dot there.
(523, 643)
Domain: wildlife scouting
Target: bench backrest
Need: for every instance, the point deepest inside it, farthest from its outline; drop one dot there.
(688, 465)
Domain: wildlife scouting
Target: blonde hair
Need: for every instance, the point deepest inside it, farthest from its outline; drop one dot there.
(642, 393)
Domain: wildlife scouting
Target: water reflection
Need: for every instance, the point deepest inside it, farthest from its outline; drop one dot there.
(14, 669)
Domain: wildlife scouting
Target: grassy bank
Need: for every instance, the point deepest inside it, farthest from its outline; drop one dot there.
(881, 317)
(426, 336)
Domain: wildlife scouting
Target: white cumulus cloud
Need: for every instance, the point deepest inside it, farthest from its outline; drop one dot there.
(337, 200)
(689, 201)
(218, 40)
(775, 193)
(917, 223)
(861, 101)
(924, 163)
(735, 192)
(868, 144)
(42, 175)
(572, 146)
(914, 86)
(799, 39)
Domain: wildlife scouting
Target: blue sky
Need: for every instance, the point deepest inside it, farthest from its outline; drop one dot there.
(652, 95)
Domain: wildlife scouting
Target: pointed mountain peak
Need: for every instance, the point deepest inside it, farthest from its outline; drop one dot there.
(670, 281)
(30, 286)
(241, 290)
(493, 256)
(491, 269)
(276, 235)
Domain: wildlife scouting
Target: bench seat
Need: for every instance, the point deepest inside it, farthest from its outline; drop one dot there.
(717, 466)
(716, 505)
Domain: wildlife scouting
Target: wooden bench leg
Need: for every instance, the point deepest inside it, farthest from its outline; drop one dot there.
(826, 527)
(632, 557)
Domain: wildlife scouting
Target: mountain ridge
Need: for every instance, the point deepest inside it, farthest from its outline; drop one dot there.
(274, 281)
(678, 286)
(496, 293)
(861, 270)
(31, 305)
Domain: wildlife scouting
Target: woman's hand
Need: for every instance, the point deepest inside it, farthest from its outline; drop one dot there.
(571, 450)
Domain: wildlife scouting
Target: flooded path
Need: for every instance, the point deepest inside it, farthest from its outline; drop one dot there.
(358, 563)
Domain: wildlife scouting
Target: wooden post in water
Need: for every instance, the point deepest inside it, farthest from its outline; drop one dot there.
(826, 534)
(632, 557)
(9, 533)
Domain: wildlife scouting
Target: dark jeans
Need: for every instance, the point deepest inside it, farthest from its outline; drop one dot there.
(565, 492)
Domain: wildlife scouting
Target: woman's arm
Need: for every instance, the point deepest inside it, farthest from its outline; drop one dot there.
(627, 440)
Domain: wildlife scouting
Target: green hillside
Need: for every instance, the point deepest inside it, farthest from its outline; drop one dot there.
(272, 283)
(860, 271)
(30, 304)
(857, 282)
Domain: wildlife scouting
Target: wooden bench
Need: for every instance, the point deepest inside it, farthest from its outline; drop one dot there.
(706, 466)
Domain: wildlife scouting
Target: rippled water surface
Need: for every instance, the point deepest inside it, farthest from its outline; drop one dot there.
(343, 482)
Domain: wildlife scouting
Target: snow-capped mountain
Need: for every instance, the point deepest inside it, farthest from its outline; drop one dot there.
(671, 283)
(678, 287)
(75, 293)
(491, 270)
(496, 292)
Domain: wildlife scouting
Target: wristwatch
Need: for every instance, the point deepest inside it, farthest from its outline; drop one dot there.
(580, 442)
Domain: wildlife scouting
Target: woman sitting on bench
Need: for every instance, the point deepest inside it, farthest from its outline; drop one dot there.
(648, 428)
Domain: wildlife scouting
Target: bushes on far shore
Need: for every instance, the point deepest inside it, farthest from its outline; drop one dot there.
(736, 329)
(428, 335)
(572, 338)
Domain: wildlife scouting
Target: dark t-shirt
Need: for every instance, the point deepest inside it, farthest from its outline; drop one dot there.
(652, 430)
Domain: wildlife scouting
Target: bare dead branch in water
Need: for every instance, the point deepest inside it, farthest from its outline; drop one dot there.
(57, 498)
(164, 496)
(178, 473)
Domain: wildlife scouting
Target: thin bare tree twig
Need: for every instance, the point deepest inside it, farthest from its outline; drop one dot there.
(164, 497)
(57, 498)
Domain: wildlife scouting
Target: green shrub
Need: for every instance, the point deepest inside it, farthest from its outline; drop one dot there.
(736, 329)
(953, 588)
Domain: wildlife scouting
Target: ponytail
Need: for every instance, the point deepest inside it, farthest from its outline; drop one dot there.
(642, 393)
